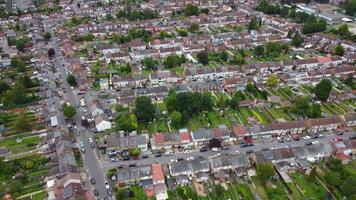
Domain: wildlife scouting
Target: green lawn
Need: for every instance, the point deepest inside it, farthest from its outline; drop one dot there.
(261, 191)
(310, 187)
(295, 192)
(27, 144)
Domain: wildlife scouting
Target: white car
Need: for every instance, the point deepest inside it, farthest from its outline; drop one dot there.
(306, 137)
(107, 186)
(81, 144)
(315, 142)
(190, 158)
(90, 140)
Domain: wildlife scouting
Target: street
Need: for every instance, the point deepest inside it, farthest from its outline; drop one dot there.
(92, 164)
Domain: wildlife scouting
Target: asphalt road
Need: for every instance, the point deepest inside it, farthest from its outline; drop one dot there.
(91, 160)
(257, 147)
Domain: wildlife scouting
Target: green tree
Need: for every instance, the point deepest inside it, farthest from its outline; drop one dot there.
(182, 32)
(18, 64)
(47, 36)
(204, 10)
(203, 57)
(259, 50)
(190, 10)
(339, 50)
(173, 61)
(323, 89)
(343, 30)
(16, 96)
(314, 111)
(22, 123)
(134, 152)
(176, 118)
(349, 81)
(253, 25)
(71, 80)
(272, 81)
(111, 172)
(21, 44)
(219, 190)
(194, 27)
(144, 109)
(126, 122)
(3, 87)
(264, 172)
(350, 7)
(301, 105)
(139, 193)
(69, 111)
(297, 40)
(149, 63)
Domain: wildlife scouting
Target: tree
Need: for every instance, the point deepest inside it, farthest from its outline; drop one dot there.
(215, 143)
(18, 64)
(69, 111)
(47, 36)
(16, 96)
(182, 32)
(314, 111)
(219, 190)
(204, 10)
(26, 81)
(190, 10)
(144, 109)
(259, 50)
(51, 52)
(339, 50)
(134, 152)
(21, 44)
(203, 57)
(176, 118)
(333, 179)
(297, 40)
(194, 27)
(350, 7)
(3, 87)
(343, 30)
(323, 89)
(301, 105)
(71, 80)
(272, 81)
(253, 25)
(349, 81)
(173, 61)
(149, 63)
(235, 100)
(126, 122)
(264, 172)
(22, 123)
(139, 193)
(111, 172)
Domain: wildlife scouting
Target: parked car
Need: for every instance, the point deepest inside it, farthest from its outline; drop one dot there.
(249, 151)
(92, 180)
(109, 192)
(126, 158)
(203, 149)
(144, 156)
(96, 193)
(107, 186)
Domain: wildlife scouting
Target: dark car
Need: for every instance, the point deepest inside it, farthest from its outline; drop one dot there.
(109, 192)
(180, 159)
(132, 165)
(92, 180)
(249, 151)
(96, 193)
(158, 155)
(308, 143)
(225, 148)
(203, 149)
(145, 156)
(353, 136)
(126, 158)
(265, 149)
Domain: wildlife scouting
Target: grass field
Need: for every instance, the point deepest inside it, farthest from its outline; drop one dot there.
(310, 187)
(27, 144)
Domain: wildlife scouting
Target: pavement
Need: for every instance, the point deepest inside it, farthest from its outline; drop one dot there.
(106, 165)
(91, 161)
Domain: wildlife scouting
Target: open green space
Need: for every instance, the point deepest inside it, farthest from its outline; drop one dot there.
(27, 144)
(309, 186)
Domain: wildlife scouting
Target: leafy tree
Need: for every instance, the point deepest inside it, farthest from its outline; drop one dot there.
(21, 44)
(173, 61)
(259, 50)
(47, 36)
(126, 122)
(176, 118)
(272, 81)
(149, 63)
(190, 10)
(188, 103)
(139, 193)
(350, 7)
(69, 111)
(180, 191)
(339, 50)
(194, 27)
(204, 10)
(22, 123)
(323, 89)
(16, 96)
(219, 190)
(203, 57)
(297, 40)
(239, 59)
(182, 32)
(314, 26)
(71, 80)
(215, 143)
(314, 111)
(3, 87)
(264, 172)
(134, 152)
(333, 179)
(144, 109)
(343, 30)
(253, 25)
(301, 105)
(284, 11)
(349, 81)
(111, 172)
(26, 81)
(236, 98)
(348, 187)
(18, 64)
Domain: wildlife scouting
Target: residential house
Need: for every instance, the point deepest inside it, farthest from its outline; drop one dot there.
(324, 124)
(222, 132)
(119, 141)
(350, 119)
(102, 122)
(201, 137)
(228, 162)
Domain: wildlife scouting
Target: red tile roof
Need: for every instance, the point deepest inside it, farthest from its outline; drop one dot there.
(185, 136)
(159, 138)
(239, 130)
(157, 172)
